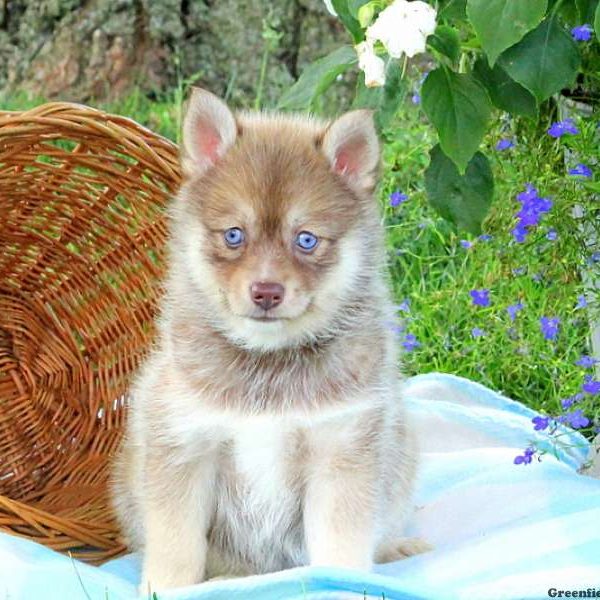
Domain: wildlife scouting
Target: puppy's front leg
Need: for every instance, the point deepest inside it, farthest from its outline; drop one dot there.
(340, 505)
(177, 509)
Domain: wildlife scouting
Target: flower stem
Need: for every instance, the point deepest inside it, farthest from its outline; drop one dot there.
(261, 79)
(555, 8)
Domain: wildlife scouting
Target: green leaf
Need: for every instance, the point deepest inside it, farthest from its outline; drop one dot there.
(385, 100)
(354, 7)
(446, 40)
(597, 22)
(566, 9)
(569, 13)
(459, 108)
(586, 10)
(544, 61)
(366, 97)
(502, 23)
(593, 186)
(316, 78)
(462, 199)
(393, 94)
(366, 13)
(505, 93)
(342, 9)
(453, 10)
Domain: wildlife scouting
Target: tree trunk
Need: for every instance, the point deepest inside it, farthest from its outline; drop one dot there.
(86, 50)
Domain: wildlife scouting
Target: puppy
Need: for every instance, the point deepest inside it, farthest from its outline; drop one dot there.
(266, 428)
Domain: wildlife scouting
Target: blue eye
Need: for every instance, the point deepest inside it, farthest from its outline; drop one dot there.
(234, 237)
(306, 241)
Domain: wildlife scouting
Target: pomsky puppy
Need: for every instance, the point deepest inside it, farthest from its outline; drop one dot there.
(266, 428)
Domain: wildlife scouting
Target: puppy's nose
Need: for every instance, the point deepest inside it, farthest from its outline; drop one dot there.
(267, 294)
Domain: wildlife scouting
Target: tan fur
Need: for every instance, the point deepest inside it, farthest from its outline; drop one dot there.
(254, 446)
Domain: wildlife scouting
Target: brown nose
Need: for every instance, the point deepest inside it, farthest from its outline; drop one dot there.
(267, 294)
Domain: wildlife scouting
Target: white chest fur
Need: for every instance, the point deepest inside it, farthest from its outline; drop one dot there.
(259, 453)
(258, 521)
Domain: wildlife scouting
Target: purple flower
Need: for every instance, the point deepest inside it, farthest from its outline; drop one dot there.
(592, 259)
(416, 98)
(552, 234)
(540, 423)
(410, 342)
(582, 33)
(568, 402)
(504, 145)
(513, 309)
(396, 328)
(561, 128)
(477, 332)
(480, 297)
(519, 233)
(587, 362)
(549, 327)
(485, 237)
(532, 210)
(397, 198)
(590, 386)
(581, 302)
(528, 195)
(404, 306)
(581, 170)
(533, 206)
(466, 244)
(526, 457)
(519, 271)
(577, 419)
(537, 277)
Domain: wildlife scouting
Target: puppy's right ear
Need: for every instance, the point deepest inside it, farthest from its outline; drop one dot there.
(209, 129)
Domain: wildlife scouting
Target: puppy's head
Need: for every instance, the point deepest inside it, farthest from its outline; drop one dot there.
(275, 225)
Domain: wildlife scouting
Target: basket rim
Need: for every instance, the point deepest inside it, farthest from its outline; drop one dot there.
(80, 118)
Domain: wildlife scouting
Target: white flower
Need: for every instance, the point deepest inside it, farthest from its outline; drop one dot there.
(403, 27)
(371, 64)
(330, 8)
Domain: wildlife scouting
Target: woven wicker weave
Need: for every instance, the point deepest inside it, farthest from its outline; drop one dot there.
(81, 237)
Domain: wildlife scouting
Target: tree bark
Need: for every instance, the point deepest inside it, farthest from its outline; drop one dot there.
(89, 50)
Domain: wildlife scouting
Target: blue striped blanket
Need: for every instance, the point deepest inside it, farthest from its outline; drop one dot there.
(500, 530)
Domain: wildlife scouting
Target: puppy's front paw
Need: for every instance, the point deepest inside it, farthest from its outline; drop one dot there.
(157, 578)
(402, 548)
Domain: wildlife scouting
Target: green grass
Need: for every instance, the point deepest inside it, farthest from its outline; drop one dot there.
(430, 268)
(162, 116)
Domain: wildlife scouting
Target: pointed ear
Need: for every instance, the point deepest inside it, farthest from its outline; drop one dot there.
(209, 129)
(352, 148)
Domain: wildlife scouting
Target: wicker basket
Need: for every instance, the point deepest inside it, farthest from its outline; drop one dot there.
(81, 239)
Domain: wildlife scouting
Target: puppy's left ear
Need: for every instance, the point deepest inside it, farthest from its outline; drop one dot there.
(350, 144)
